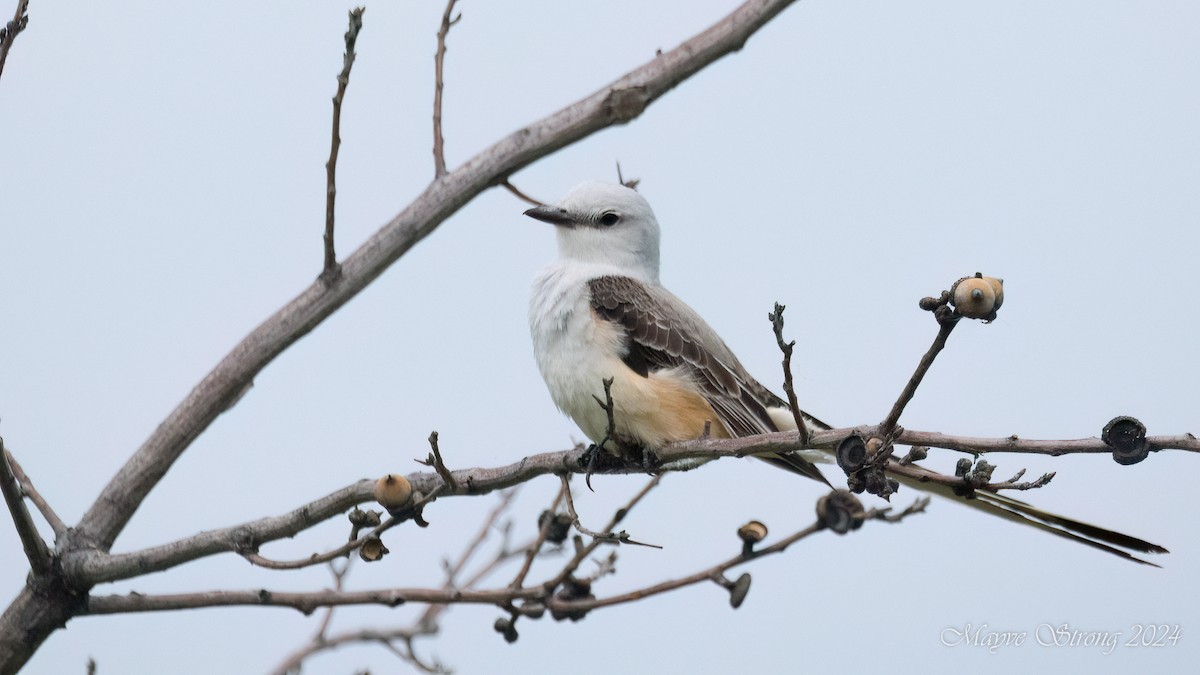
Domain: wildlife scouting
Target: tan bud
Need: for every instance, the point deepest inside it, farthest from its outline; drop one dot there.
(752, 532)
(393, 491)
(974, 298)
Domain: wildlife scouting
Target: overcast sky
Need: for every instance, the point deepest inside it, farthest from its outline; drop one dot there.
(162, 181)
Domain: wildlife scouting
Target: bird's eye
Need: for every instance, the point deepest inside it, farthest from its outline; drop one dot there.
(609, 219)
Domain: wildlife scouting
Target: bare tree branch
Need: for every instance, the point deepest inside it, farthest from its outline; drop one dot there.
(43, 507)
(35, 549)
(92, 567)
(608, 536)
(945, 326)
(789, 389)
(317, 559)
(439, 153)
(331, 270)
(435, 460)
(543, 532)
(582, 552)
(1054, 448)
(507, 185)
(13, 28)
(306, 603)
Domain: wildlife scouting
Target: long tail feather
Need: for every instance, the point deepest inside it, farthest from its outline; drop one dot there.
(1002, 506)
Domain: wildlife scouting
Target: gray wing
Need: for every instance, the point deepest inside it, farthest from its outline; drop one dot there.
(663, 332)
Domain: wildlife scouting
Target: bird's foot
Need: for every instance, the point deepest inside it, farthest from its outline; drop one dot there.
(651, 464)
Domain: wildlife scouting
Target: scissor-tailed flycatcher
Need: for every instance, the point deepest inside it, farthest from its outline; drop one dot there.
(599, 312)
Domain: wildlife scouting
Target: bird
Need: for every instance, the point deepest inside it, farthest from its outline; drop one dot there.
(604, 328)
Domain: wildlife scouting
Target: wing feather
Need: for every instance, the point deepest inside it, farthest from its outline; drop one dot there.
(663, 332)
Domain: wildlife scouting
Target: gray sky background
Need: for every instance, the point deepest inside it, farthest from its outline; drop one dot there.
(163, 189)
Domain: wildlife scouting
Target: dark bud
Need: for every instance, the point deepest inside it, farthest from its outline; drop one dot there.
(506, 628)
(981, 473)
(856, 484)
(915, 454)
(360, 518)
(737, 592)
(840, 511)
(852, 454)
(928, 304)
(572, 590)
(1127, 438)
(533, 609)
(963, 466)
(559, 527)
(875, 481)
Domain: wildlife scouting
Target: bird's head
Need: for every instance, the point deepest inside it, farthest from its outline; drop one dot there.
(608, 224)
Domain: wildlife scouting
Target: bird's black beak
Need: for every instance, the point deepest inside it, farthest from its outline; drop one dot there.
(551, 214)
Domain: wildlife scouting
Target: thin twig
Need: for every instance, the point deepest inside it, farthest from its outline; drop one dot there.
(507, 185)
(632, 183)
(35, 549)
(31, 492)
(543, 532)
(319, 558)
(961, 483)
(439, 154)
(488, 523)
(425, 625)
(776, 318)
(608, 537)
(888, 426)
(610, 430)
(10, 31)
(716, 571)
(435, 460)
(332, 270)
(339, 583)
(583, 552)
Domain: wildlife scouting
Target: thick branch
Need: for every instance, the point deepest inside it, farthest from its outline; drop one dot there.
(305, 602)
(95, 567)
(616, 103)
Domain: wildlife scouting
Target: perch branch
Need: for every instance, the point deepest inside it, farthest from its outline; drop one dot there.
(97, 567)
